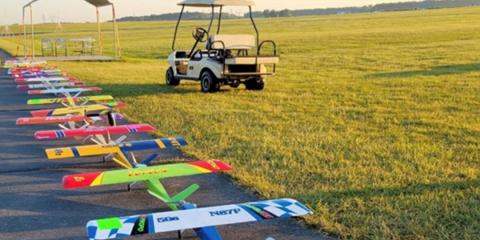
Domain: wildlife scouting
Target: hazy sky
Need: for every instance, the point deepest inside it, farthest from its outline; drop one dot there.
(79, 10)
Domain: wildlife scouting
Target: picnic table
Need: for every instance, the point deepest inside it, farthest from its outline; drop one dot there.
(87, 45)
(82, 46)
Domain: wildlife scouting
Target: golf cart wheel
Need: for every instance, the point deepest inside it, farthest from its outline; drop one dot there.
(170, 79)
(257, 84)
(209, 82)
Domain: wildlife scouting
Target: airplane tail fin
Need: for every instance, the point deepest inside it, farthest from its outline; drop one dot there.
(186, 193)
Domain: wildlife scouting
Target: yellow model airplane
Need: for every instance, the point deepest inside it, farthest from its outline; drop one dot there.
(117, 152)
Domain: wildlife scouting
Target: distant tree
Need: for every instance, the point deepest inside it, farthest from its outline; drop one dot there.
(266, 13)
(285, 13)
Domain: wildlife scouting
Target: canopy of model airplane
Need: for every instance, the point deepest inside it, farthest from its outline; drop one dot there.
(209, 3)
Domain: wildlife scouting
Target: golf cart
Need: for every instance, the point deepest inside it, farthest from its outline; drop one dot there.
(227, 58)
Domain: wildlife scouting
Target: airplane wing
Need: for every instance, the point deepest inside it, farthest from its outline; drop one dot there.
(143, 174)
(50, 85)
(64, 90)
(18, 63)
(195, 218)
(124, 129)
(70, 110)
(65, 100)
(51, 120)
(39, 79)
(63, 119)
(98, 150)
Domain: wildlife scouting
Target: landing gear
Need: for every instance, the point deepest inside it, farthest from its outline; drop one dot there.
(112, 121)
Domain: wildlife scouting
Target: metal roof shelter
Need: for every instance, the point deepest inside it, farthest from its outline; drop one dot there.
(97, 4)
(210, 3)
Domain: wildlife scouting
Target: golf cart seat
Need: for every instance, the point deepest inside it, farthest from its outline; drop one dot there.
(231, 42)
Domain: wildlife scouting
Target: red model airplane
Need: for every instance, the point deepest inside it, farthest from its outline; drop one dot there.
(72, 133)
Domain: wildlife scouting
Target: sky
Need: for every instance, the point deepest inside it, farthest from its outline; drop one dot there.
(80, 11)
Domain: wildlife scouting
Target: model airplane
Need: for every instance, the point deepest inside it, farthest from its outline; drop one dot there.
(65, 90)
(70, 100)
(51, 85)
(34, 70)
(16, 63)
(45, 79)
(90, 119)
(28, 75)
(81, 110)
(85, 132)
(41, 74)
(150, 176)
(31, 69)
(195, 218)
(118, 152)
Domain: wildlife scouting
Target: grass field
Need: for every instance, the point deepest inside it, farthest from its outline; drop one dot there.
(373, 120)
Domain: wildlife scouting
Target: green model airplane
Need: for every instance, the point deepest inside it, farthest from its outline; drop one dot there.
(137, 172)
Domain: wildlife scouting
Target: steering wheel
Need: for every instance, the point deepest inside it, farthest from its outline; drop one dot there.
(200, 34)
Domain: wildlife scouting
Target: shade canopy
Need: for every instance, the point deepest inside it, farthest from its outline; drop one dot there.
(210, 3)
(96, 3)
(30, 3)
(99, 3)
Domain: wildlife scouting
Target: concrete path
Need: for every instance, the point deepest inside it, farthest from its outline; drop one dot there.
(33, 204)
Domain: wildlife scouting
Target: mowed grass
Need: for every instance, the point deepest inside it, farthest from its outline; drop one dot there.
(373, 120)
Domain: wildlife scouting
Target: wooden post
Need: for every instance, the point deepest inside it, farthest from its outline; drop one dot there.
(99, 30)
(115, 34)
(33, 32)
(24, 34)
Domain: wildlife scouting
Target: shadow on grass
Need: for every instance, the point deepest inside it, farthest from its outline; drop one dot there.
(435, 71)
(135, 90)
(394, 191)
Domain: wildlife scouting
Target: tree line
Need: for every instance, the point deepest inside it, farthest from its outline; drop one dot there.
(383, 7)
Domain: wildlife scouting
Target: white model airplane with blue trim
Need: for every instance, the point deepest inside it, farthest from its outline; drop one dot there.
(202, 220)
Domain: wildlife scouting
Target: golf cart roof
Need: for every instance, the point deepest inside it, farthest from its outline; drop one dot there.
(209, 3)
(99, 3)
